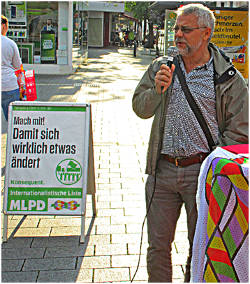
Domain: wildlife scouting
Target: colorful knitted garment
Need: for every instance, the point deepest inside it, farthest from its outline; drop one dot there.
(220, 245)
(227, 223)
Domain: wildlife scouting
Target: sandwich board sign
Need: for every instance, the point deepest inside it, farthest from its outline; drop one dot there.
(49, 160)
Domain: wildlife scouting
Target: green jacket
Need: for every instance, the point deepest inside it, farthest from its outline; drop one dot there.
(231, 105)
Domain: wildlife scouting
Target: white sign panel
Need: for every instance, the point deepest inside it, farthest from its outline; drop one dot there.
(47, 159)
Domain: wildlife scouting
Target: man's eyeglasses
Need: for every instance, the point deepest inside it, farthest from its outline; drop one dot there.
(186, 30)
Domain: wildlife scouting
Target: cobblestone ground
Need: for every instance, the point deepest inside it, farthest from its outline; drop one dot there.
(47, 248)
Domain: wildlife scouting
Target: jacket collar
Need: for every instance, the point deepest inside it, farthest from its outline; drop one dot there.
(224, 69)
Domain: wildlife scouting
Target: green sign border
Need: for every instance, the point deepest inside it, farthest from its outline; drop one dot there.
(48, 108)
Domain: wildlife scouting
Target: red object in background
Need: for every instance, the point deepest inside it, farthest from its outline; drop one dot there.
(243, 49)
(27, 84)
(30, 85)
(20, 74)
(237, 149)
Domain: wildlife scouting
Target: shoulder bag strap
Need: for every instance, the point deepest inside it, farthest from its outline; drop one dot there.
(195, 108)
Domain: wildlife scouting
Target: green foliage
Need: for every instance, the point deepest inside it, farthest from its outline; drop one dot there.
(139, 9)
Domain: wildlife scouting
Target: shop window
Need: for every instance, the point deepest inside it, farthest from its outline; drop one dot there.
(34, 27)
(80, 28)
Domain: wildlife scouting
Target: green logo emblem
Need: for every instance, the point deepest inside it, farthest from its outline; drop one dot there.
(68, 171)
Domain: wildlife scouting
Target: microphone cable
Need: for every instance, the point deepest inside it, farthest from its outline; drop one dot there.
(149, 205)
(143, 223)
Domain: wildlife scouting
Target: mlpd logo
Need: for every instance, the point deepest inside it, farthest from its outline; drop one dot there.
(71, 205)
(68, 171)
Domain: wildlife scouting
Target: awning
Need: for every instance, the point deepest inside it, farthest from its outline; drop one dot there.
(128, 17)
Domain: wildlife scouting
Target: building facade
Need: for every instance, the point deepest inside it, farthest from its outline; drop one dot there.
(102, 18)
(43, 32)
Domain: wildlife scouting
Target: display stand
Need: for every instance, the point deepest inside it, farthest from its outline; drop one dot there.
(49, 161)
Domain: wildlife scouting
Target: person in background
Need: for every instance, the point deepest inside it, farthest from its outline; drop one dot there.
(49, 26)
(177, 143)
(11, 61)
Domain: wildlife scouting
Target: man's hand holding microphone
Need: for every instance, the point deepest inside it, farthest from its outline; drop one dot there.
(164, 76)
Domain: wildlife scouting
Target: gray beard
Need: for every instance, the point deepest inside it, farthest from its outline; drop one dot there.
(187, 50)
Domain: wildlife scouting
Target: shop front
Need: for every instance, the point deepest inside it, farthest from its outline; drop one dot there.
(102, 18)
(43, 32)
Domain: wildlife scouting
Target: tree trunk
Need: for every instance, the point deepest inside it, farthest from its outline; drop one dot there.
(151, 35)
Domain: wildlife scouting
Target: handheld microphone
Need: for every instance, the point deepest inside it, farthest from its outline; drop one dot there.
(168, 60)
(171, 53)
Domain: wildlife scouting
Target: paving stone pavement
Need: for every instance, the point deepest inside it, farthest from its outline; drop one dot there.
(47, 248)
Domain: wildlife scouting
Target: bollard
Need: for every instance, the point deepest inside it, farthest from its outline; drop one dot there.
(135, 48)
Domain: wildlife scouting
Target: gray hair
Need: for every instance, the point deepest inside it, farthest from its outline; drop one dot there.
(204, 15)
